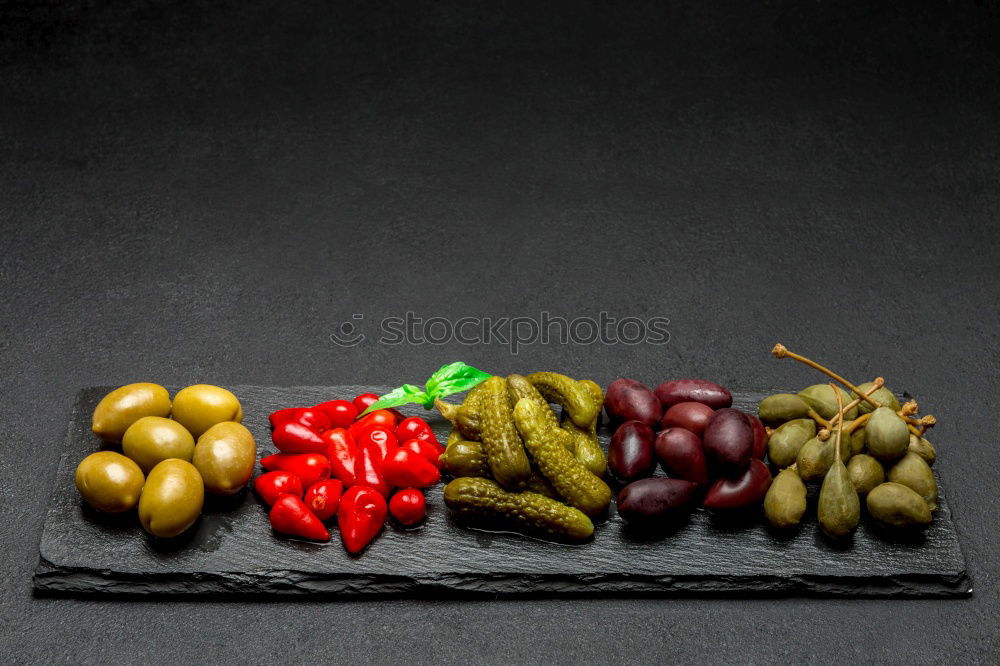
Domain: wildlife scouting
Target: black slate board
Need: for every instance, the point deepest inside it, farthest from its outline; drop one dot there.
(232, 550)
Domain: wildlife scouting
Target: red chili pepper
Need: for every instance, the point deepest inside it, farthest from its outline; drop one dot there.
(406, 468)
(380, 417)
(369, 468)
(364, 401)
(283, 416)
(293, 437)
(290, 515)
(341, 412)
(360, 517)
(272, 485)
(408, 506)
(314, 419)
(425, 449)
(309, 467)
(343, 454)
(323, 498)
(381, 436)
(415, 427)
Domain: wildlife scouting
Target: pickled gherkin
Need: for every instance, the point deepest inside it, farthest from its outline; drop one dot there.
(547, 445)
(505, 454)
(463, 457)
(519, 387)
(483, 503)
(587, 446)
(464, 417)
(567, 392)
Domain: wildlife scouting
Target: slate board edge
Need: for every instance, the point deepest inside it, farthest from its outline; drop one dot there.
(53, 579)
(56, 580)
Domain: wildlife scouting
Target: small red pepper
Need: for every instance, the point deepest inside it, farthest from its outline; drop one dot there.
(340, 412)
(290, 515)
(365, 400)
(314, 419)
(323, 498)
(369, 468)
(309, 467)
(406, 468)
(283, 416)
(380, 417)
(343, 454)
(293, 437)
(415, 427)
(408, 506)
(381, 436)
(360, 517)
(425, 449)
(272, 485)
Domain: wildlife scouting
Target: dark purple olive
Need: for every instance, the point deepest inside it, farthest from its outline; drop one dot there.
(746, 490)
(693, 390)
(630, 454)
(759, 437)
(728, 440)
(651, 501)
(681, 455)
(691, 416)
(629, 400)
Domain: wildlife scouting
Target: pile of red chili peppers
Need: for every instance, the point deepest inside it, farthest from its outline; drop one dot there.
(331, 463)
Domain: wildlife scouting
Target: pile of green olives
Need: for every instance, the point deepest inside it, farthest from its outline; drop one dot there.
(884, 461)
(172, 453)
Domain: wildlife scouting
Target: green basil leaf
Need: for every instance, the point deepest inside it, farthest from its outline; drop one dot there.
(454, 378)
(403, 395)
(450, 378)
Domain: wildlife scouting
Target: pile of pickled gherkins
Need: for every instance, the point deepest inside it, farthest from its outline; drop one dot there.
(171, 453)
(520, 466)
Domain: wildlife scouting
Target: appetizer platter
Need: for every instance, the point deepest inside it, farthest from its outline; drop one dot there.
(479, 484)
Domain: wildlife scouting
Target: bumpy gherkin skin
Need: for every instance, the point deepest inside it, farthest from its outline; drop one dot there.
(565, 391)
(586, 446)
(464, 417)
(505, 453)
(519, 387)
(484, 502)
(547, 445)
(464, 457)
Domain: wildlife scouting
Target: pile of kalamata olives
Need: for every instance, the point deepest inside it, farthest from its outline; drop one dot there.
(709, 450)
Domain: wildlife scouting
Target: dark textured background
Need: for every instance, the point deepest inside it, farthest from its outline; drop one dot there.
(202, 193)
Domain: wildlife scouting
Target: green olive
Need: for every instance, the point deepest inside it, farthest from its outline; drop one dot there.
(109, 481)
(225, 456)
(201, 406)
(171, 499)
(152, 439)
(125, 405)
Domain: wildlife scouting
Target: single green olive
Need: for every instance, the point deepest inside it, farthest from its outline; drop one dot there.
(225, 456)
(125, 405)
(109, 481)
(171, 499)
(153, 439)
(201, 406)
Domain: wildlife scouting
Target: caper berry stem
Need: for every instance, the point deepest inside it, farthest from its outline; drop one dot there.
(858, 422)
(814, 415)
(840, 423)
(780, 351)
(824, 434)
